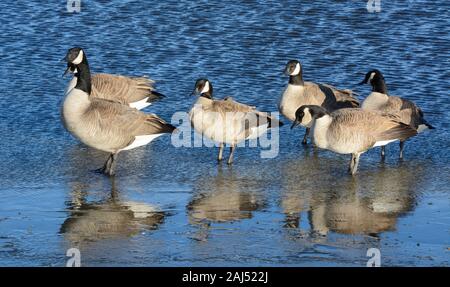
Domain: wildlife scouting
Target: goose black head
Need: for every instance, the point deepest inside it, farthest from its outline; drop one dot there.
(203, 88)
(293, 68)
(77, 62)
(295, 72)
(75, 56)
(305, 115)
(376, 79)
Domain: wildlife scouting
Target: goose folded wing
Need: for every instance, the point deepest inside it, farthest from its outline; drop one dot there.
(128, 122)
(229, 105)
(344, 98)
(390, 128)
(247, 117)
(121, 89)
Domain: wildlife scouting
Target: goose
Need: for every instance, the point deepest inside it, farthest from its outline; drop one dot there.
(226, 121)
(299, 93)
(352, 131)
(136, 92)
(102, 124)
(380, 100)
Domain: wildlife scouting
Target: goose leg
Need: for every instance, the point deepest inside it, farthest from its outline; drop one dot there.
(402, 147)
(354, 163)
(110, 164)
(230, 159)
(305, 137)
(105, 166)
(383, 151)
(219, 158)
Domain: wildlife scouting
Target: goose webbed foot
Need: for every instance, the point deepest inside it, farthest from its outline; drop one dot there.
(100, 170)
(108, 167)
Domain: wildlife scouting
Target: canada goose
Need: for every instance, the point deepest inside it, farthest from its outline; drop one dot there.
(102, 124)
(352, 131)
(299, 93)
(380, 100)
(137, 92)
(226, 121)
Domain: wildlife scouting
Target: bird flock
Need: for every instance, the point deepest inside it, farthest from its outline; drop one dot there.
(103, 111)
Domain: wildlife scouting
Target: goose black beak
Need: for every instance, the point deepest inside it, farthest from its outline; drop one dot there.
(362, 83)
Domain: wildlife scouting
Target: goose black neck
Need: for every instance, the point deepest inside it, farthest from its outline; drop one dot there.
(83, 76)
(379, 86)
(317, 112)
(296, 80)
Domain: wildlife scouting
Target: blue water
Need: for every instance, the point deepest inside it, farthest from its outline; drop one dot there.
(298, 209)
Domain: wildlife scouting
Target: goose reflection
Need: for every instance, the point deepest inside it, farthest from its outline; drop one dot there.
(107, 218)
(366, 205)
(299, 175)
(372, 205)
(223, 198)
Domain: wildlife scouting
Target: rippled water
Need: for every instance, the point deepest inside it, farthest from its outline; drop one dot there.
(176, 206)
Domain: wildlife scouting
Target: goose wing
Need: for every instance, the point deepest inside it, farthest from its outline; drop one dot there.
(123, 123)
(230, 105)
(344, 98)
(364, 128)
(124, 90)
(244, 115)
(407, 110)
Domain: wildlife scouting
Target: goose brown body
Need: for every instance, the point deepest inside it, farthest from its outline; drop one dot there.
(227, 121)
(352, 131)
(380, 100)
(103, 124)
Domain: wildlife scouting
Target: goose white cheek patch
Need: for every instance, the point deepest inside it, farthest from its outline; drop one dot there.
(296, 70)
(371, 76)
(306, 120)
(205, 88)
(79, 58)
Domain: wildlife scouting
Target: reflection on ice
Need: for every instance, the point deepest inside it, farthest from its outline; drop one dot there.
(108, 218)
(365, 205)
(223, 197)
